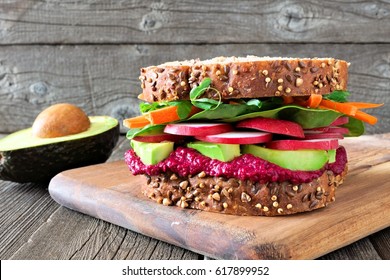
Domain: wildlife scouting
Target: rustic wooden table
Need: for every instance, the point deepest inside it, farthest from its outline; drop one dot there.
(33, 226)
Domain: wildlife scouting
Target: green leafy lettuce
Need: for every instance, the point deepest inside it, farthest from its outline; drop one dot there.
(241, 109)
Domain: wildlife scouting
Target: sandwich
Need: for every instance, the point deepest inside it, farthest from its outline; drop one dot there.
(244, 135)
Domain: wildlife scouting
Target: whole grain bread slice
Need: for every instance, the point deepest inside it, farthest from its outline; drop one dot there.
(242, 197)
(244, 77)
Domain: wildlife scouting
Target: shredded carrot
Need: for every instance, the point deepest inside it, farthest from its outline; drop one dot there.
(364, 105)
(288, 99)
(313, 101)
(159, 116)
(167, 114)
(352, 109)
(344, 108)
(136, 122)
(163, 115)
(360, 115)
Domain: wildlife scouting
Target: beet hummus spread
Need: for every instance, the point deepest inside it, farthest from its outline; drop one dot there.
(186, 161)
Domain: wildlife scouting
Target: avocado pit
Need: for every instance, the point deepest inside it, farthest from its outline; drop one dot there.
(60, 120)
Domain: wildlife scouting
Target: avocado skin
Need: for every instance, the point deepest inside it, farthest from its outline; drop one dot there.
(40, 164)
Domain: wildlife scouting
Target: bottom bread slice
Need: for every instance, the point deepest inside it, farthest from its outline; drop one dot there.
(242, 197)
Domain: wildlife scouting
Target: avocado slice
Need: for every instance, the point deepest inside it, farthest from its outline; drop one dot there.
(26, 158)
(222, 152)
(152, 153)
(332, 156)
(303, 160)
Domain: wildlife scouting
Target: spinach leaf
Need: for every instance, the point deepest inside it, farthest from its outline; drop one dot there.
(147, 107)
(204, 103)
(337, 95)
(224, 111)
(355, 127)
(239, 107)
(146, 130)
(183, 108)
(196, 92)
(307, 118)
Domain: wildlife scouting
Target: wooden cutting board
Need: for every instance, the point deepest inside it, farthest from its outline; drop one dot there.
(109, 192)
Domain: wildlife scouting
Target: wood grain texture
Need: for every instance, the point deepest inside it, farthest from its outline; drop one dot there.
(24, 208)
(122, 146)
(356, 251)
(88, 239)
(31, 219)
(381, 243)
(110, 193)
(103, 79)
(168, 21)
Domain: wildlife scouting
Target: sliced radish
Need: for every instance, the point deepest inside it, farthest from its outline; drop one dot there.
(315, 144)
(336, 129)
(237, 137)
(331, 129)
(340, 121)
(197, 129)
(157, 138)
(322, 135)
(274, 126)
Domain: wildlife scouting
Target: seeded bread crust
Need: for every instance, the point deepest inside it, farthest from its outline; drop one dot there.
(244, 77)
(243, 198)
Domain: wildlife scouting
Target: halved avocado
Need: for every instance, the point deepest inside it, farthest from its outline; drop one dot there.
(27, 158)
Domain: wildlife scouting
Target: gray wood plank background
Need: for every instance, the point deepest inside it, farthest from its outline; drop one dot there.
(89, 53)
(169, 21)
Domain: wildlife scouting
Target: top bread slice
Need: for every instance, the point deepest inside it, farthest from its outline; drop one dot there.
(244, 77)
